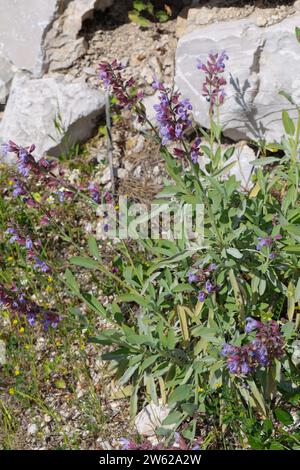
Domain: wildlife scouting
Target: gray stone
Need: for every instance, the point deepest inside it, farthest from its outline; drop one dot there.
(34, 104)
(32, 429)
(262, 62)
(34, 32)
(150, 418)
(243, 156)
(23, 25)
(7, 72)
(2, 353)
(62, 45)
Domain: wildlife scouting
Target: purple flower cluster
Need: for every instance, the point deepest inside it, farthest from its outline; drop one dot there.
(26, 162)
(122, 89)
(268, 242)
(94, 192)
(205, 277)
(18, 305)
(213, 86)
(267, 345)
(31, 248)
(172, 114)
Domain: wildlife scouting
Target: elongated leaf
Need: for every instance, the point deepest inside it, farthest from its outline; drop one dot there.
(288, 123)
(84, 262)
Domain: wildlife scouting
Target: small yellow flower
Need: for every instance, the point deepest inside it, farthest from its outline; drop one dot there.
(50, 279)
(200, 389)
(10, 259)
(58, 343)
(49, 288)
(117, 207)
(17, 372)
(15, 322)
(21, 330)
(11, 391)
(10, 183)
(27, 346)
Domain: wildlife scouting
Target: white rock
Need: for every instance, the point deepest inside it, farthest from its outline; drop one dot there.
(34, 104)
(262, 62)
(2, 353)
(61, 45)
(32, 429)
(7, 72)
(28, 28)
(23, 25)
(150, 418)
(242, 169)
(296, 353)
(105, 178)
(122, 173)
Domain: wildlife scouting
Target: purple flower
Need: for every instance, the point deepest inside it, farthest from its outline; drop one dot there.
(251, 324)
(195, 150)
(122, 89)
(192, 277)
(40, 265)
(213, 86)
(267, 345)
(209, 287)
(172, 115)
(201, 296)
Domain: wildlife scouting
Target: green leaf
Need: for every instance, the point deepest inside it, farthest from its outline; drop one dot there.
(293, 229)
(288, 123)
(93, 247)
(181, 393)
(292, 248)
(173, 418)
(128, 374)
(71, 281)
(264, 161)
(287, 96)
(234, 252)
(84, 262)
(138, 299)
(284, 416)
(297, 31)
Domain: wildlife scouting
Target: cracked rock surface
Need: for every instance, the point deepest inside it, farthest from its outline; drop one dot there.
(259, 67)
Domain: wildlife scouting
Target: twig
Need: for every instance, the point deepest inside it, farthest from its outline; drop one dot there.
(109, 143)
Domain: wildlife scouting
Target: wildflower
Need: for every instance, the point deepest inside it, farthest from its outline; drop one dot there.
(94, 191)
(251, 324)
(40, 265)
(172, 115)
(18, 304)
(267, 241)
(267, 345)
(209, 287)
(50, 279)
(11, 391)
(122, 89)
(195, 150)
(17, 372)
(213, 87)
(192, 277)
(201, 296)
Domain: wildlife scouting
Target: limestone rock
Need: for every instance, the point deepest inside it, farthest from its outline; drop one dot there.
(7, 71)
(23, 25)
(2, 353)
(62, 45)
(33, 32)
(34, 104)
(259, 67)
(151, 418)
